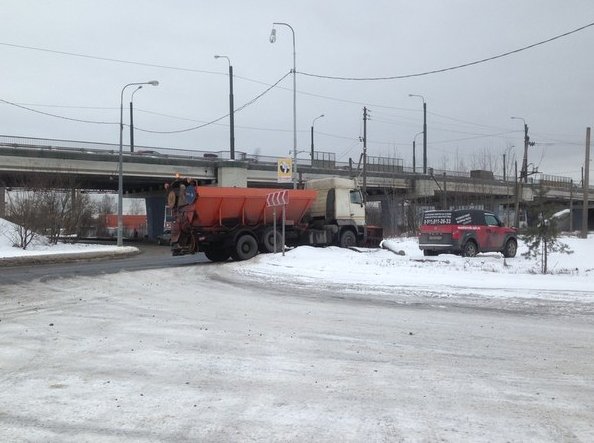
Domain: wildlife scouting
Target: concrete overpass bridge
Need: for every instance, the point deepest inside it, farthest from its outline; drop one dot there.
(94, 166)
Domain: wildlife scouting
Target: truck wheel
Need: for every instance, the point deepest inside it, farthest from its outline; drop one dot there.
(267, 241)
(245, 248)
(348, 239)
(217, 253)
(510, 249)
(470, 249)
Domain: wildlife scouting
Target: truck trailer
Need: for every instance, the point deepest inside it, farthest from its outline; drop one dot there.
(228, 222)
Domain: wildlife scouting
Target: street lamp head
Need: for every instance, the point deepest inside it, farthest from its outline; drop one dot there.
(153, 83)
(417, 95)
(273, 35)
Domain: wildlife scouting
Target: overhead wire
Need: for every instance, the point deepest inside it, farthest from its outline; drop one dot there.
(245, 105)
(450, 68)
(161, 66)
(55, 115)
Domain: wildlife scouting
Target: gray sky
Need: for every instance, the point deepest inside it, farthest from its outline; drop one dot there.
(550, 86)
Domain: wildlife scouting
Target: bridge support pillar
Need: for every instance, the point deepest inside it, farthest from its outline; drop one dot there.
(392, 214)
(2, 201)
(232, 174)
(155, 215)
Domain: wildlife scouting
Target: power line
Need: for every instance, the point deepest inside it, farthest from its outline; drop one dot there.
(57, 116)
(252, 101)
(451, 68)
(128, 62)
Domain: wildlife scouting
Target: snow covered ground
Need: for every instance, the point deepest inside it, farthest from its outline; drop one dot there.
(319, 345)
(40, 248)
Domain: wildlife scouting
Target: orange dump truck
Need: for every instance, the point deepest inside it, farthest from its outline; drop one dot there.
(239, 223)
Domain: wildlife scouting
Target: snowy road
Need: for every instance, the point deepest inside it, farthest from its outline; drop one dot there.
(208, 354)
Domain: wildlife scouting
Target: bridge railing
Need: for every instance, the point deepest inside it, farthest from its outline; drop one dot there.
(323, 160)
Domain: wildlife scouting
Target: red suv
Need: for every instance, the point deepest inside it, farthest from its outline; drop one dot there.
(466, 232)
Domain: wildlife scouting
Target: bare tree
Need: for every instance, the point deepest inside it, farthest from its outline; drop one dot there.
(23, 211)
(47, 205)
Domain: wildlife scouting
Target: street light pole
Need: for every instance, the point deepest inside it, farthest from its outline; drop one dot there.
(272, 40)
(231, 110)
(312, 138)
(132, 119)
(424, 131)
(120, 239)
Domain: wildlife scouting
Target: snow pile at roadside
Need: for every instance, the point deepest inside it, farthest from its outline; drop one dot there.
(40, 246)
(571, 275)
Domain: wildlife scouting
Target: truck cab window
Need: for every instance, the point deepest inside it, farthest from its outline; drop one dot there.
(356, 197)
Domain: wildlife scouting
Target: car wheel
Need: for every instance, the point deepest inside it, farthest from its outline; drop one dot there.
(245, 248)
(470, 249)
(511, 247)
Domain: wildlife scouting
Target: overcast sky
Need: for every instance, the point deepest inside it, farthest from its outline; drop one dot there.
(469, 109)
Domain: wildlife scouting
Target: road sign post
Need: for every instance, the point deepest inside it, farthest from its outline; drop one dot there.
(274, 200)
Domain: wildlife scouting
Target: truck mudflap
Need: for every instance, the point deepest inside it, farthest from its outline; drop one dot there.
(372, 236)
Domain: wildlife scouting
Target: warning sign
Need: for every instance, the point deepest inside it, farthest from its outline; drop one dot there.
(284, 170)
(277, 198)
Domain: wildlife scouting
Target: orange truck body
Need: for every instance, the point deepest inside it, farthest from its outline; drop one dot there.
(214, 208)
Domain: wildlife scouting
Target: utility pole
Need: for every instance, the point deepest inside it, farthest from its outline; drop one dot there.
(132, 126)
(527, 142)
(414, 157)
(504, 167)
(424, 137)
(586, 186)
(365, 154)
(517, 205)
(231, 116)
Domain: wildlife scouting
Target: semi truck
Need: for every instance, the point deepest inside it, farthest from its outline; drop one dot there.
(235, 222)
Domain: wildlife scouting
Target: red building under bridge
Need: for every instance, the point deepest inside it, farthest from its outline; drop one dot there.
(135, 226)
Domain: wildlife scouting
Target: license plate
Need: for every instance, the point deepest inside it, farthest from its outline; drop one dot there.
(435, 237)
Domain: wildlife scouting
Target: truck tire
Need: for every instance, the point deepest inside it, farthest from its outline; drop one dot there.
(510, 249)
(347, 239)
(216, 253)
(470, 249)
(245, 248)
(267, 241)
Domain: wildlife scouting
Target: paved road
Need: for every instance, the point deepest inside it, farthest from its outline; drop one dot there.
(150, 257)
(207, 356)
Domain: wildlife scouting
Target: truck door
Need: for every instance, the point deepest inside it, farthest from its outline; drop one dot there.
(357, 208)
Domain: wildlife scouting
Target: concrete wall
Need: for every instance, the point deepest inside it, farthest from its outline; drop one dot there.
(232, 174)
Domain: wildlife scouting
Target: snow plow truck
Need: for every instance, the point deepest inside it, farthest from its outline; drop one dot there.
(228, 222)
